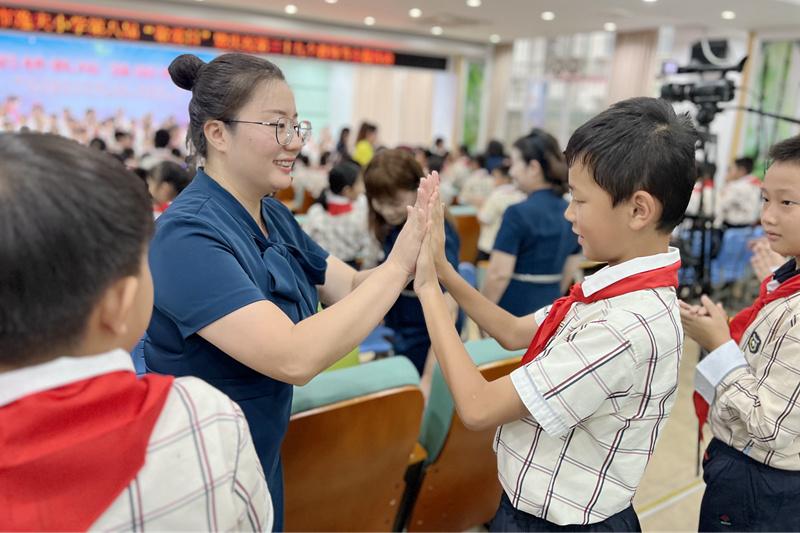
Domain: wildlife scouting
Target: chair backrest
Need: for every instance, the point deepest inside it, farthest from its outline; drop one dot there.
(286, 196)
(469, 272)
(733, 261)
(378, 340)
(137, 354)
(308, 201)
(348, 445)
(460, 489)
(466, 224)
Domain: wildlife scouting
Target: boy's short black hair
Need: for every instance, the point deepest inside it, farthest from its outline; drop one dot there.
(324, 158)
(786, 151)
(161, 138)
(73, 220)
(745, 163)
(640, 144)
(173, 174)
(504, 171)
(435, 162)
(98, 144)
(345, 174)
(143, 174)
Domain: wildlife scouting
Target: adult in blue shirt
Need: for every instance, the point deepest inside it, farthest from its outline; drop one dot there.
(391, 180)
(535, 241)
(237, 282)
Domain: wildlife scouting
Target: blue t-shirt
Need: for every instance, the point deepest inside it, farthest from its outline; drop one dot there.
(209, 258)
(536, 232)
(405, 316)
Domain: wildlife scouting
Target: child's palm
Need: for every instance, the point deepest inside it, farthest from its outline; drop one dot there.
(437, 236)
(408, 243)
(426, 269)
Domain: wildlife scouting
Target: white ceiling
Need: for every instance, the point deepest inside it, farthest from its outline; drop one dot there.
(522, 18)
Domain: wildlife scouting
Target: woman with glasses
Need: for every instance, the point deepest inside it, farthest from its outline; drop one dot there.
(237, 282)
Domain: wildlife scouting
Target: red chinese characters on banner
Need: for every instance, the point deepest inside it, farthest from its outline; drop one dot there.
(120, 70)
(60, 65)
(108, 28)
(33, 63)
(8, 61)
(90, 68)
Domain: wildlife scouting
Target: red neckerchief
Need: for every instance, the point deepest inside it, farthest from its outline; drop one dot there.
(68, 452)
(339, 209)
(651, 279)
(739, 324)
(707, 184)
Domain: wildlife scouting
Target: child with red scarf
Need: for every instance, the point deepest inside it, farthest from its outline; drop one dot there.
(340, 225)
(84, 444)
(748, 387)
(580, 418)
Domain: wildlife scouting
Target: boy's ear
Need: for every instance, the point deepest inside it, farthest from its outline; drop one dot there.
(115, 305)
(644, 210)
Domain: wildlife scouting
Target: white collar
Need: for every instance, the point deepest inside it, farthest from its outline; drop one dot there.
(612, 274)
(15, 384)
(338, 199)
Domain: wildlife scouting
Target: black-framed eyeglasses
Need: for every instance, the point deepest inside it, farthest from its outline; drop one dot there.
(285, 129)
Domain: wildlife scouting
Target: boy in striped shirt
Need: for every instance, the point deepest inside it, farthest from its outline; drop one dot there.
(84, 444)
(580, 418)
(748, 386)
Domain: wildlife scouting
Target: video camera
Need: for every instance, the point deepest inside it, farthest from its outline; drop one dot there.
(706, 94)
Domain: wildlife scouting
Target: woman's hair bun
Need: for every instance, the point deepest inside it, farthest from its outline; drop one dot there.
(184, 69)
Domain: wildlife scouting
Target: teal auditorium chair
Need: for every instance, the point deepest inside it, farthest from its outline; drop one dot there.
(732, 264)
(348, 445)
(731, 274)
(458, 488)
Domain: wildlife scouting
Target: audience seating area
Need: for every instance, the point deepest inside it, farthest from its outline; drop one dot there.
(458, 488)
(465, 219)
(366, 426)
(348, 447)
(730, 272)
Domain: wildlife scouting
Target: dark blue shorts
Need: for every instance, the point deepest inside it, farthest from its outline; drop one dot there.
(745, 495)
(510, 519)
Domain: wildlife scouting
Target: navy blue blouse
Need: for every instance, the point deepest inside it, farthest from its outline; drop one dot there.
(209, 258)
(536, 232)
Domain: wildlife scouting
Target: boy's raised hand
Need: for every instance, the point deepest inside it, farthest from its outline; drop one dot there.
(425, 276)
(406, 248)
(764, 261)
(437, 236)
(707, 324)
(427, 187)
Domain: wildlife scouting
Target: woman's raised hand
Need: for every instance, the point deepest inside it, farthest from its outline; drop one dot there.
(406, 249)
